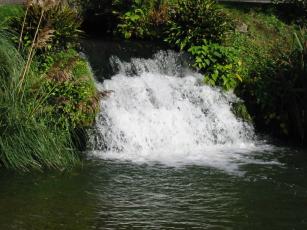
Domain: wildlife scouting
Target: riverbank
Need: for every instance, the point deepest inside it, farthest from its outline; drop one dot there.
(48, 95)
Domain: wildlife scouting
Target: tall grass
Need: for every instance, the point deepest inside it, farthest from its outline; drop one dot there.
(26, 142)
(9, 11)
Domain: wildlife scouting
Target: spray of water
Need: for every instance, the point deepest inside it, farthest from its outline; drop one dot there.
(160, 112)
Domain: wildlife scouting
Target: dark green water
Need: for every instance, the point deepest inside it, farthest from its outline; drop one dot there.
(114, 195)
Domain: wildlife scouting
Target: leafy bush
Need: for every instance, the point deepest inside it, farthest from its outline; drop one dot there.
(73, 101)
(146, 19)
(286, 105)
(61, 19)
(191, 22)
(256, 58)
(219, 64)
(134, 23)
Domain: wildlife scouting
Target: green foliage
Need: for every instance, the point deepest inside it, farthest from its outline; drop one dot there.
(273, 85)
(219, 64)
(134, 23)
(145, 19)
(285, 107)
(277, 95)
(62, 19)
(37, 130)
(191, 22)
(25, 141)
(256, 58)
(9, 11)
(72, 101)
(31, 145)
(265, 38)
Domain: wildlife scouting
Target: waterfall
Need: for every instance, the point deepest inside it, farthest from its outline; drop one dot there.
(159, 111)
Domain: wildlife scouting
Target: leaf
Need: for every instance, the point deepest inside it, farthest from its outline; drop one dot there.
(127, 35)
(217, 54)
(239, 77)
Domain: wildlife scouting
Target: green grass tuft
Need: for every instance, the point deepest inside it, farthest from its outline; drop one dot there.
(9, 11)
(26, 142)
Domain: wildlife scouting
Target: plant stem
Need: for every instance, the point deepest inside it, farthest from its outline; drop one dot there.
(22, 29)
(30, 56)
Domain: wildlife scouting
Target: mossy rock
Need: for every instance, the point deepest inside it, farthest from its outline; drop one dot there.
(241, 112)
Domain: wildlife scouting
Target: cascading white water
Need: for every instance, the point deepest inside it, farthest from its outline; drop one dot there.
(159, 111)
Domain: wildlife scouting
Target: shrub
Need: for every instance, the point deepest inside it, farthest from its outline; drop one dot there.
(63, 20)
(219, 64)
(73, 101)
(145, 19)
(134, 24)
(191, 22)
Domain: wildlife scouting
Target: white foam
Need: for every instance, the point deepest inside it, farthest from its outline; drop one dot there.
(153, 115)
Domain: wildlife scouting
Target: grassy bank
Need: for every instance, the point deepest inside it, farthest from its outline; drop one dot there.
(273, 53)
(47, 89)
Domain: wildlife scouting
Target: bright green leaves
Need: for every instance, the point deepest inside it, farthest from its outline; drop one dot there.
(133, 24)
(193, 21)
(219, 64)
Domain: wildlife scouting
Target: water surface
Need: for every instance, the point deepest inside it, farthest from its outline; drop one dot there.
(119, 195)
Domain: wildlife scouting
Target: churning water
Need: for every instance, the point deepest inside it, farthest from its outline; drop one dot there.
(160, 114)
(159, 111)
